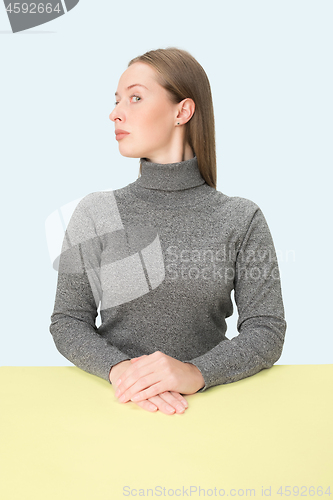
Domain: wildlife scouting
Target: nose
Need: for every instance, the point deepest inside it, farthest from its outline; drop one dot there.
(116, 114)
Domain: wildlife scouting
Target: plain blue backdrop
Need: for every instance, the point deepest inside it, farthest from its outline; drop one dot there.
(270, 69)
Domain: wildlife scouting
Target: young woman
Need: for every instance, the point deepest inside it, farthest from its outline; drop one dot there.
(162, 255)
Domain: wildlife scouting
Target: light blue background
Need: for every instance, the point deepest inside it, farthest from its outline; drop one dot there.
(270, 68)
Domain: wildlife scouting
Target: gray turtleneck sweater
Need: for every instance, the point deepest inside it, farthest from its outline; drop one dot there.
(160, 258)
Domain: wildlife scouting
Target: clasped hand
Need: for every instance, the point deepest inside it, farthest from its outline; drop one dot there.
(153, 374)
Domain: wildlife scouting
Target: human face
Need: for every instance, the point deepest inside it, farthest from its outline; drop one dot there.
(144, 110)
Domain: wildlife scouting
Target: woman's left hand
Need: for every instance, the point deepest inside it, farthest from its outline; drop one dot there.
(156, 373)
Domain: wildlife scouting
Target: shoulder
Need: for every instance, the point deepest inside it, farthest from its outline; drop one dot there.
(100, 210)
(97, 202)
(237, 216)
(242, 205)
(96, 198)
(236, 208)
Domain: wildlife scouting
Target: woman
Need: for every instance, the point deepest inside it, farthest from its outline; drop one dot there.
(162, 255)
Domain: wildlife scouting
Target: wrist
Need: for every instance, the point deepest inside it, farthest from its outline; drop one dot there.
(196, 373)
(117, 369)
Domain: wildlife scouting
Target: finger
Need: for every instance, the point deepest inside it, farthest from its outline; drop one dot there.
(180, 398)
(145, 388)
(162, 405)
(147, 405)
(134, 360)
(140, 380)
(173, 401)
(144, 361)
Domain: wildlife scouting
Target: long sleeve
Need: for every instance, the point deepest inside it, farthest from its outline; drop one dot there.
(77, 298)
(261, 324)
(152, 256)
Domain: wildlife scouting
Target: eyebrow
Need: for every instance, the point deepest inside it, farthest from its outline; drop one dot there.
(133, 85)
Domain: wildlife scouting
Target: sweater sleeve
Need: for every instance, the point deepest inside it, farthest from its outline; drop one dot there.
(78, 296)
(261, 324)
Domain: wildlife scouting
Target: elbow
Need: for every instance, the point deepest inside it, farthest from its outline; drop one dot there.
(274, 355)
(60, 332)
(57, 337)
(274, 336)
(267, 335)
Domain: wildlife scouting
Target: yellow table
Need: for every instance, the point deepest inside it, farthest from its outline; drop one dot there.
(65, 436)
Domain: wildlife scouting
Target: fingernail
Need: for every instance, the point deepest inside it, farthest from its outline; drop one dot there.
(180, 408)
(184, 403)
(170, 409)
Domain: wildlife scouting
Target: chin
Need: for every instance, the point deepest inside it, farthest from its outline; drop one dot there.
(127, 153)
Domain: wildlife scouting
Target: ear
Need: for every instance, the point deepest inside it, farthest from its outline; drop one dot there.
(186, 110)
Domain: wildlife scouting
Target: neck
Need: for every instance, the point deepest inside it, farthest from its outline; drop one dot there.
(177, 155)
(170, 176)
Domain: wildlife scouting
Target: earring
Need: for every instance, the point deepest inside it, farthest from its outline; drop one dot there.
(177, 123)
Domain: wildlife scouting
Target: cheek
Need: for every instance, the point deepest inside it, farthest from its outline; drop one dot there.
(157, 125)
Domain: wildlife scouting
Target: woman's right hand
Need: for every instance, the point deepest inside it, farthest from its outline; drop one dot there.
(167, 402)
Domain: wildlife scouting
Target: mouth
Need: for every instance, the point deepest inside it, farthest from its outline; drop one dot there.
(120, 134)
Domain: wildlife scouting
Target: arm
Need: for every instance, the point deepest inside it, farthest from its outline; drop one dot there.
(77, 298)
(261, 323)
(261, 327)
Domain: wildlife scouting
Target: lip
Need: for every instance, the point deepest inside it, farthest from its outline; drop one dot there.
(120, 134)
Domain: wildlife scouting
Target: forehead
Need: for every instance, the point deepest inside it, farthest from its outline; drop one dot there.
(138, 73)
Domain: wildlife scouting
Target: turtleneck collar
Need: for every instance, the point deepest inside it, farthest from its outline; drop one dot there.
(170, 176)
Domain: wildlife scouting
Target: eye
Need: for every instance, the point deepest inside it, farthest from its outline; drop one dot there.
(136, 97)
(116, 103)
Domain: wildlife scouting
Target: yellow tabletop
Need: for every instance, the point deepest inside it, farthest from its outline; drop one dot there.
(65, 436)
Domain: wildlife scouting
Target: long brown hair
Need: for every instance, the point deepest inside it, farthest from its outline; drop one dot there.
(183, 77)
